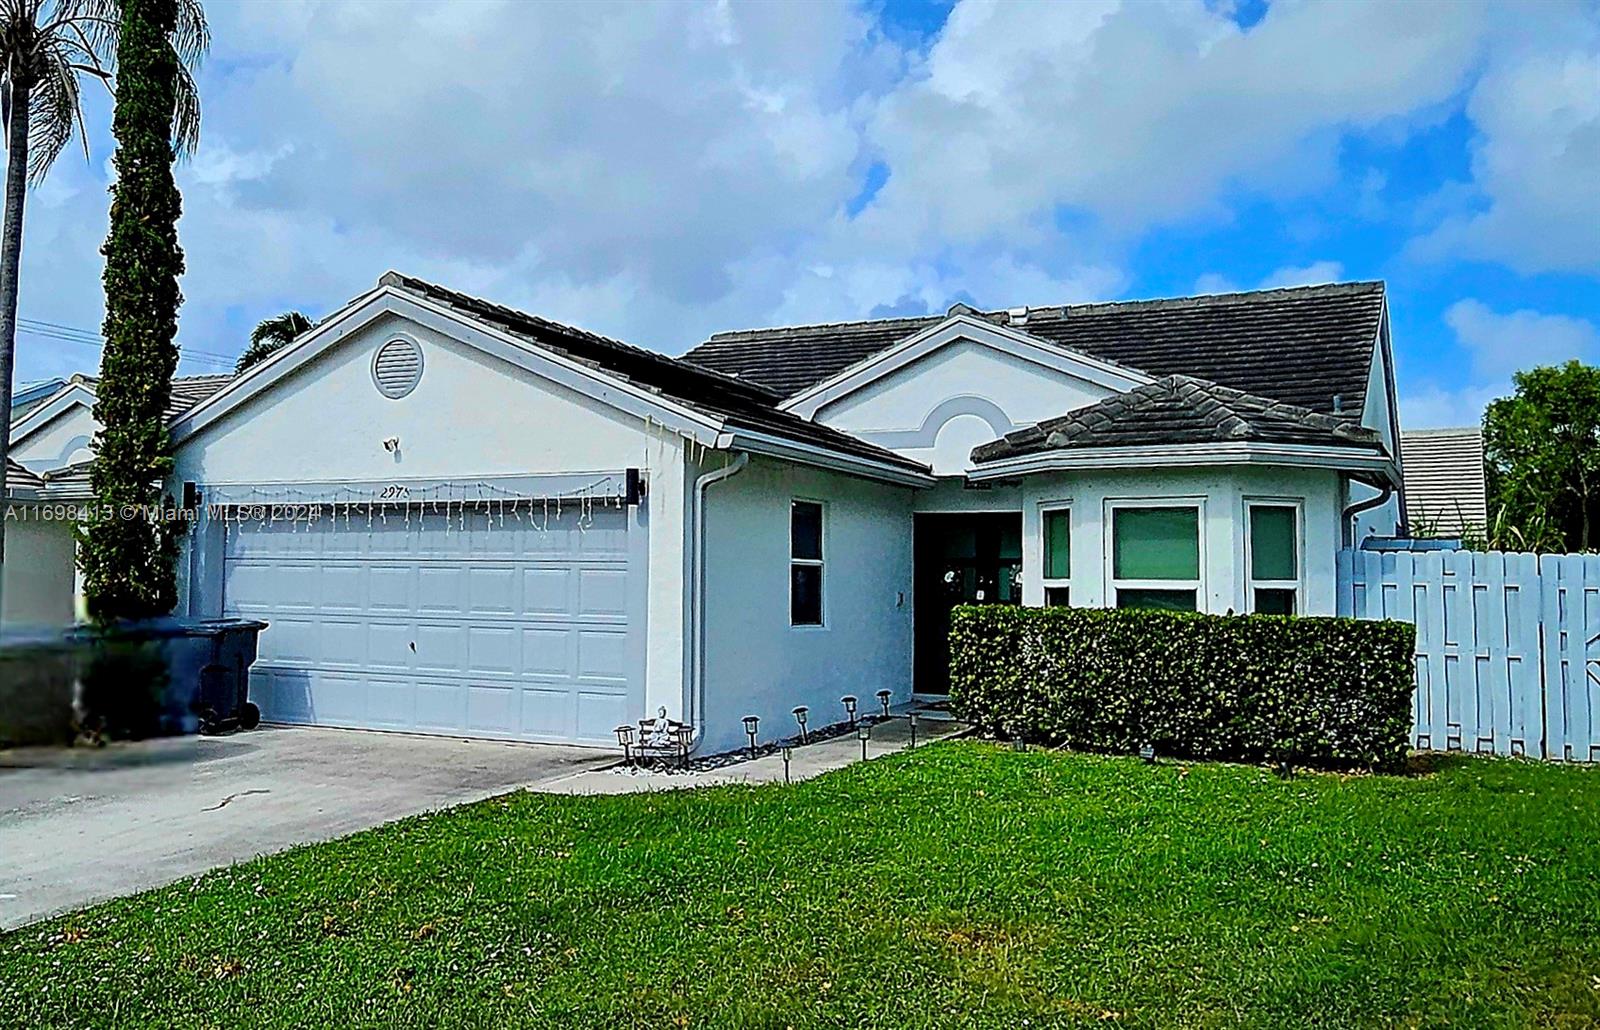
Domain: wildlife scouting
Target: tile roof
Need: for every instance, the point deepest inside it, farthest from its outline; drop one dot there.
(1445, 484)
(1179, 410)
(187, 391)
(1302, 345)
(19, 478)
(740, 404)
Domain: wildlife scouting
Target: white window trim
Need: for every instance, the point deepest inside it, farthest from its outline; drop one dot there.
(818, 563)
(1046, 509)
(1298, 583)
(1113, 584)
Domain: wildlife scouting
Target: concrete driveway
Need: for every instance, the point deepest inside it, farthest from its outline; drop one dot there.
(79, 826)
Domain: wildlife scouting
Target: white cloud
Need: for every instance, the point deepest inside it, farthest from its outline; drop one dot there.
(1144, 113)
(1534, 203)
(1304, 275)
(1500, 344)
(1493, 346)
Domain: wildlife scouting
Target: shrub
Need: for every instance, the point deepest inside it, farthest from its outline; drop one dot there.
(1330, 693)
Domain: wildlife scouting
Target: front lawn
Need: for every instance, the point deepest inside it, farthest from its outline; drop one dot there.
(962, 884)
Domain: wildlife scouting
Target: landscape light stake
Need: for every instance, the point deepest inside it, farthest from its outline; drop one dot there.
(864, 731)
(787, 750)
(800, 717)
(912, 719)
(685, 738)
(849, 702)
(883, 699)
(625, 738)
(752, 724)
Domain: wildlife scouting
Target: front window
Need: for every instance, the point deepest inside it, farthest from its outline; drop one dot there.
(805, 563)
(1056, 526)
(1155, 557)
(1274, 559)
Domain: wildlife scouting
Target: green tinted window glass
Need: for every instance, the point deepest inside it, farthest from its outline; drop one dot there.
(1011, 541)
(1057, 546)
(1155, 543)
(1274, 602)
(1272, 542)
(1161, 600)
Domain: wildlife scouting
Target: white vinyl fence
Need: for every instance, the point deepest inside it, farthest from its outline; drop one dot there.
(1508, 645)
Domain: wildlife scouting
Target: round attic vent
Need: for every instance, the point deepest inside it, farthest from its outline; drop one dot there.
(397, 367)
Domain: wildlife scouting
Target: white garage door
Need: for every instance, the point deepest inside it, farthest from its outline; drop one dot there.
(505, 628)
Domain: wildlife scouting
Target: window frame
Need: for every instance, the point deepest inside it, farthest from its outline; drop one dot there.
(820, 563)
(1114, 586)
(1048, 583)
(1296, 585)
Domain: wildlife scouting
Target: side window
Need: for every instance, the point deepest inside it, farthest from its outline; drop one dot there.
(1155, 557)
(805, 563)
(1274, 559)
(1056, 526)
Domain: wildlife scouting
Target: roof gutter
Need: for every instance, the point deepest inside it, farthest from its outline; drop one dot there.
(1385, 491)
(1299, 455)
(695, 695)
(808, 454)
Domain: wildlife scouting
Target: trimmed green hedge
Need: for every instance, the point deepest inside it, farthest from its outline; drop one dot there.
(1329, 693)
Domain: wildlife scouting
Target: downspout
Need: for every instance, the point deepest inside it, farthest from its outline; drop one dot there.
(696, 694)
(1385, 492)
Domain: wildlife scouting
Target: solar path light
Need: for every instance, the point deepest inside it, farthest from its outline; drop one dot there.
(800, 713)
(752, 724)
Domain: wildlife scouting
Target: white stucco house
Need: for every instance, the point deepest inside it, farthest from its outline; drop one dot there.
(463, 519)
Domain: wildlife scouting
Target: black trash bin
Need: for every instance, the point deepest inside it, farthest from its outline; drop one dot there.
(203, 668)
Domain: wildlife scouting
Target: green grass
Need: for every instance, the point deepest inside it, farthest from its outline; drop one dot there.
(961, 884)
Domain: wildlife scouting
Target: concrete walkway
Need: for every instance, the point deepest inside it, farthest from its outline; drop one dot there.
(805, 762)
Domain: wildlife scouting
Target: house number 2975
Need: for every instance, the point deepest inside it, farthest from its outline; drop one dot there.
(394, 491)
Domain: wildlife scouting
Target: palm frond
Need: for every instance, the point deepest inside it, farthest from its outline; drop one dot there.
(54, 112)
(186, 114)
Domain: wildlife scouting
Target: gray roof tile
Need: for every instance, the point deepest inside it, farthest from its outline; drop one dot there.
(1179, 410)
(1303, 345)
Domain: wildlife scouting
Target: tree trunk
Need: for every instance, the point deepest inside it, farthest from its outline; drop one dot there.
(10, 262)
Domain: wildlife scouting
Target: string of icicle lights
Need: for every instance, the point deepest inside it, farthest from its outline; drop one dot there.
(374, 508)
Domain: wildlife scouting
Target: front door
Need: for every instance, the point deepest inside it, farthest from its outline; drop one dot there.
(960, 559)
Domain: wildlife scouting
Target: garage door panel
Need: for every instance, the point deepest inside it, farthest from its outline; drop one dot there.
(603, 591)
(391, 703)
(491, 709)
(511, 631)
(492, 650)
(547, 591)
(599, 713)
(602, 654)
(441, 706)
(389, 588)
(492, 590)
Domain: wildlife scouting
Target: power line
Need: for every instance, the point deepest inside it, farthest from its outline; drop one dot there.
(72, 334)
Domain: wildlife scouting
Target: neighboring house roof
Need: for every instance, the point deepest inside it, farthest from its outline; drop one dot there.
(740, 404)
(1178, 410)
(187, 391)
(1302, 345)
(19, 479)
(1446, 489)
(30, 395)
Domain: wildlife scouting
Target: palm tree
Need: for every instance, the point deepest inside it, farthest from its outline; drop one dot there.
(46, 47)
(270, 336)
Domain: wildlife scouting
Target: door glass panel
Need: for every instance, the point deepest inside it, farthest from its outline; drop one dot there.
(1161, 600)
(1057, 546)
(1010, 542)
(1272, 542)
(1156, 543)
(1270, 601)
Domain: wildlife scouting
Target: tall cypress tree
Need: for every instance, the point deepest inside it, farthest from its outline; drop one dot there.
(128, 561)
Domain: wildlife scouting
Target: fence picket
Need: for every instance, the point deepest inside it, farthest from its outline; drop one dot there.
(1504, 660)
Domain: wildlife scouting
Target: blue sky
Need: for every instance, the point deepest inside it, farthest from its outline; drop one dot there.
(661, 171)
